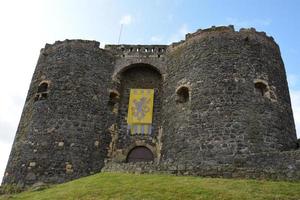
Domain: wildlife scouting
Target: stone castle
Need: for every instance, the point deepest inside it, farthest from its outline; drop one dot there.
(221, 108)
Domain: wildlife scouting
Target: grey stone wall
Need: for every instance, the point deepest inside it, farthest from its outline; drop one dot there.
(271, 166)
(225, 115)
(64, 136)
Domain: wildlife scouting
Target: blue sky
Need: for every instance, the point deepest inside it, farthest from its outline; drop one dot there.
(27, 25)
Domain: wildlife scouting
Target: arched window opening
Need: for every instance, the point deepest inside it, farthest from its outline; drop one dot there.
(42, 91)
(182, 94)
(43, 87)
(140, 154)
(261, 88)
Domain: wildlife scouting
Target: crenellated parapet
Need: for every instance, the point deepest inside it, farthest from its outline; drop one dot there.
(125, 51)
(247, 34)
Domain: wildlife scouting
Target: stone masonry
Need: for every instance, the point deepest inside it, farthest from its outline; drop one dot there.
(221, 109)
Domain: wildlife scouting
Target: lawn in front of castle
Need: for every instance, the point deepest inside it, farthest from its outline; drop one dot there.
(160, 186)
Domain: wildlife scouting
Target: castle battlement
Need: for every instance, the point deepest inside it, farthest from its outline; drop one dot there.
(124, 50)
(76, 43)
(248, 34)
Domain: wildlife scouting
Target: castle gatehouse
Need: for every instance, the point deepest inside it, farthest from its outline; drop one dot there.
(215, 104)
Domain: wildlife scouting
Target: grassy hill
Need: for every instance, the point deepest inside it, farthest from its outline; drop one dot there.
(130, 186)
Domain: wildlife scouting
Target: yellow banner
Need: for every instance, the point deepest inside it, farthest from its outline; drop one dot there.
(140, 108)
(140, 129)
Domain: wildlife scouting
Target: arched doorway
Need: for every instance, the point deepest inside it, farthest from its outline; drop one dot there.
(138, 76)
(140, 154)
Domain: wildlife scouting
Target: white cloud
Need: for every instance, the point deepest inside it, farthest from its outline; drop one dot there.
(126, 20)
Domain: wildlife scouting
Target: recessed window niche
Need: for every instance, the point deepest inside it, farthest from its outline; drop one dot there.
(42, 91)
(182, 94)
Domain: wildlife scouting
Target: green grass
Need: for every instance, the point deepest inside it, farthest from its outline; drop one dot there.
(129, 186)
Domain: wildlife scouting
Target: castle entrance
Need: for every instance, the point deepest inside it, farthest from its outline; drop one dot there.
(140, 154)
(139, 110)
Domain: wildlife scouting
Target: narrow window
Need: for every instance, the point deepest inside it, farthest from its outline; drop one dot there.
(113, 101)
(113, 98)
(42, 91)
(182, 94)
(260, 88)
(43, 87)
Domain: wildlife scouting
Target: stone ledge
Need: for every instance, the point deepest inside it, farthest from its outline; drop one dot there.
(272, 166)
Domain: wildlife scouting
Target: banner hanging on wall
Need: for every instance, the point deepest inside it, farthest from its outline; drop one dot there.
(140, 111)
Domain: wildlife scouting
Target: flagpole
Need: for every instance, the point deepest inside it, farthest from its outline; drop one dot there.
(120, 33)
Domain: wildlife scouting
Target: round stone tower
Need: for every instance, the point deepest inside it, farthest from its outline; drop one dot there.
(226, 94)
(61, 135)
